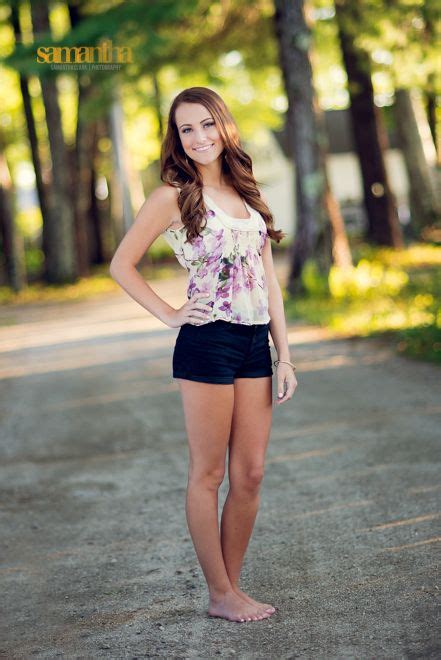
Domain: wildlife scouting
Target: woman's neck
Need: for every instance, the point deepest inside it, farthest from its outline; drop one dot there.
(225, 184)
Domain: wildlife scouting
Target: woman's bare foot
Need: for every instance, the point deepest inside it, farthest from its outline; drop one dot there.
(265, 607)
(231, 606)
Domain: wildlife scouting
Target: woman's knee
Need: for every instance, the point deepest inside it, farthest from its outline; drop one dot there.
(247, 480)
(207, 478)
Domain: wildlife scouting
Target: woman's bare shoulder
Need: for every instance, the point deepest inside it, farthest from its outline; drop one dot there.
(168, 196)
(163, 201)
(165, 194)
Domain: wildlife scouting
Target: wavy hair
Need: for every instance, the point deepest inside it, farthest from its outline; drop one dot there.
(180, 171)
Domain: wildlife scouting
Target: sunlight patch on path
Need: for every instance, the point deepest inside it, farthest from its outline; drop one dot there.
(397, 548)
(397, 523)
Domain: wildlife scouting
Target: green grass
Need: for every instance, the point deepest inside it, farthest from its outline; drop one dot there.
(392, 293)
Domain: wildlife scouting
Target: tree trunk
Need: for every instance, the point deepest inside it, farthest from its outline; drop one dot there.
(103, 235)
(61, 261)
(157, 104)
(85, 148)
(340, 250)
(310, 242)
(414, 131)
(431, 104)
(86, 211)
(12, 241)
(369, 133)
(80, 163)
(120, 184)
(430, 13)
(96, 243)
(42, 191)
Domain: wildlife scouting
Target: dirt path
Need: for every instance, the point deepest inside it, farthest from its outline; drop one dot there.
(96, 557)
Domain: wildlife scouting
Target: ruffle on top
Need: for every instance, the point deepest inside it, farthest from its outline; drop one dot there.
(225, 262)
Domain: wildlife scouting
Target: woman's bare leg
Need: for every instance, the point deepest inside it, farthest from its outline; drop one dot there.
(208, 412)
(250, 431)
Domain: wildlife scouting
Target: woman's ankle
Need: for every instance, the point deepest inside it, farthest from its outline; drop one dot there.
(217, 594)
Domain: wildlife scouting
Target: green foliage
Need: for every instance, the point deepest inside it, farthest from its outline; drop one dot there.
(34, 259)
(314, 282)
(400, 36)
(396, 292)
(423, 341)
(367, 279)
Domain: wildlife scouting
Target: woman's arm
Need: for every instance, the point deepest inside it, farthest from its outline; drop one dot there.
(286, 379)
(155, 215)
(275, 304)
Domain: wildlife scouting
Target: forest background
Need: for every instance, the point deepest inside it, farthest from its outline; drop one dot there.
(80, 143)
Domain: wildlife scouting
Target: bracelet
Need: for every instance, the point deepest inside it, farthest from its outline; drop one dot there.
(276, 362)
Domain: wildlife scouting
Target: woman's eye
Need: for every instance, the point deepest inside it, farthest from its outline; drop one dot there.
(184, 130)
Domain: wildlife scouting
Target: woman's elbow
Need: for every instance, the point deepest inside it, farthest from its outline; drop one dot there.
(115, 268)
(112, 268)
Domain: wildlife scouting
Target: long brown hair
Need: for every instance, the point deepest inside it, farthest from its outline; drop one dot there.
(181, 172)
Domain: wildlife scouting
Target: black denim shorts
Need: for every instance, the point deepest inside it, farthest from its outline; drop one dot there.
(220, 351)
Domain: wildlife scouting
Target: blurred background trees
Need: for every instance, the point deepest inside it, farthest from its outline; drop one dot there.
(309, 84)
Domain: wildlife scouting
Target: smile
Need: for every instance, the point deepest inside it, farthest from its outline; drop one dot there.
(204, 148)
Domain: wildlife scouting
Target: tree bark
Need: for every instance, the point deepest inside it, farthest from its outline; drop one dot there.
(340, 249)
(423, 193)
(431, 105)
(12, 241)
(430, 13)
(310, 242)
(80, 158)
(96, 242)
(369, 133)
(42, 190)
(103, 234)
(61, 258)
(85, 148)
(157, 103)
(120, 183)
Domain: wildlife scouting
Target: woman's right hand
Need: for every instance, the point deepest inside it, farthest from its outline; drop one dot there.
(191, 312)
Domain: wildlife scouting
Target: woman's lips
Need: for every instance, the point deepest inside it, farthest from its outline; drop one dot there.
(206, 148)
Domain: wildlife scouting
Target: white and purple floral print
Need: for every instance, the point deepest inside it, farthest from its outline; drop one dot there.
(225, 262)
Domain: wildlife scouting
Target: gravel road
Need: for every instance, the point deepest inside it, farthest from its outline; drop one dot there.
(97, 560)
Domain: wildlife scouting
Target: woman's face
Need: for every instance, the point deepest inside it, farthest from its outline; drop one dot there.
(200, 138)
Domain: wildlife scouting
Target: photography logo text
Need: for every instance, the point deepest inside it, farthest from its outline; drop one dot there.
(105, 56)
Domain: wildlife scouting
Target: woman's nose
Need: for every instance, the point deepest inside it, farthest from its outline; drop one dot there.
(200, 137)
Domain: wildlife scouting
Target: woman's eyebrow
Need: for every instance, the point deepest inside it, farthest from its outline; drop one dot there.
(199, 122)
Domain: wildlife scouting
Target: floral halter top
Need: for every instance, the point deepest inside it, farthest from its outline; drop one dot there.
(225, 262)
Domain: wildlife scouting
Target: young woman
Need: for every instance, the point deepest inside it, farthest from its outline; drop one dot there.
(212, 213)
